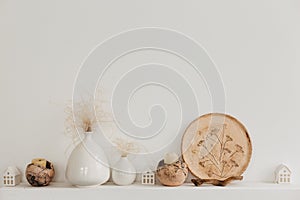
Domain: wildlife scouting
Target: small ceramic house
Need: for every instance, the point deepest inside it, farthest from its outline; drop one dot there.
(282, 174)
(11, 176)
(148, 178)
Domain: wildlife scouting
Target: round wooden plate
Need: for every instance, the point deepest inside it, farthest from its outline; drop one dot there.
(216, 146)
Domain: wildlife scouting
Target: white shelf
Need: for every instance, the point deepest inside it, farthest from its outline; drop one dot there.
(236, 190)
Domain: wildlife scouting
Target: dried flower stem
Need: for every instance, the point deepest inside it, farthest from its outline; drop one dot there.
(126, 147)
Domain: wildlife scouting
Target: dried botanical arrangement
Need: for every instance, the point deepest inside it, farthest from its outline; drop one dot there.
(126, 147)
(216, 148)
(83, 115)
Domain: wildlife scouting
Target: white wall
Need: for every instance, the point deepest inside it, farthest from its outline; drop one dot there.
(255, 45)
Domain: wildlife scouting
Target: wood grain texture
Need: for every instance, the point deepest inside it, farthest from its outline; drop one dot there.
(199, 181)
(216, 146)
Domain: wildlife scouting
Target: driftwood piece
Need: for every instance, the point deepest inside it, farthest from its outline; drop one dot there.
(216, 182)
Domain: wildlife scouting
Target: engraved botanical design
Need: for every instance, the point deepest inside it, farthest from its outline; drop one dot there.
(223, 159)
(216, 146)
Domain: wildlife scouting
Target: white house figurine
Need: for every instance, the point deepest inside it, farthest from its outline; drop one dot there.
(282, 174)
(148, 178)
(11, 176)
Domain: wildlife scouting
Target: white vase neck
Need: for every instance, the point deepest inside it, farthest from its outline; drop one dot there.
(88, 137)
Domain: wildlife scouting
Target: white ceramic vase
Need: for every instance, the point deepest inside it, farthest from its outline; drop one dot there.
(123, 172)
(87, 164)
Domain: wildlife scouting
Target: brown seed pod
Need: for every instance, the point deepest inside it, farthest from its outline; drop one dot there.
(37, 175)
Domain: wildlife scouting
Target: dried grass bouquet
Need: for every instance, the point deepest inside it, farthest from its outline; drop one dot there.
(126, 147)
(82, 116)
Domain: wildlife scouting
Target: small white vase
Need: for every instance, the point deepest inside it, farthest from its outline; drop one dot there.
(87, 164)
(123, 172)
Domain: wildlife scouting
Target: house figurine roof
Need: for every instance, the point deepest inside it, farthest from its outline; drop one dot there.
(280, 167)
(148, 172)
(12, 171)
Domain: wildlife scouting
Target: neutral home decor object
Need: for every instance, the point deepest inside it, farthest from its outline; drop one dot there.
(173, 174)
(148, 178)
(87, 164)
(282, 174)
(123, 172)
(217, 149)
(39, 172)
(11, 176)
(171, 171)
